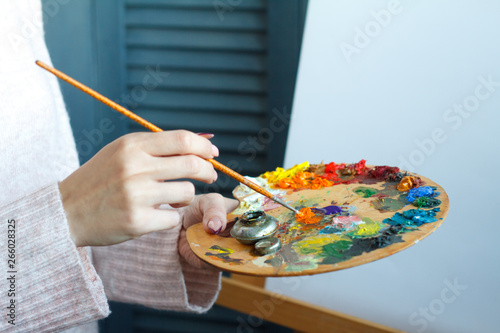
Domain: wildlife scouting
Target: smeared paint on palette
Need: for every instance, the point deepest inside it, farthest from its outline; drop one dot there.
(359, 214)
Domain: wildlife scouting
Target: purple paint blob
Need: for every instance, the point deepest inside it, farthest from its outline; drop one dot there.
(328, 210)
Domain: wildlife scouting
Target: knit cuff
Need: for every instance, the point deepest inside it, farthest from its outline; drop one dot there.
(57, 286)
(149, 271)
(202, 287)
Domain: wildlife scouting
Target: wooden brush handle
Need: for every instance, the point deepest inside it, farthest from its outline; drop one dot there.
(219, 166)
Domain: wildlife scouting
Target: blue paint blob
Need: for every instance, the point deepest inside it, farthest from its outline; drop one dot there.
(328, 210)
(424, 191)
(413, 217)
(329, 230)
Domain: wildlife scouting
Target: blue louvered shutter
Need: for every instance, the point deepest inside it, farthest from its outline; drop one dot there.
(230, 63)
(215, 56)
(223, 67)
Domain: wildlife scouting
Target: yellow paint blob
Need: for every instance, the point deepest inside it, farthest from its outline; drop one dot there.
(314, 245)
(280, 173)
(221, 250)
(367, 229)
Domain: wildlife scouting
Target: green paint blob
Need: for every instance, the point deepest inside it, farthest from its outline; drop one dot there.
(391, 191)
(336, 249)
(388, 204)
(426, 202)
(365, 192)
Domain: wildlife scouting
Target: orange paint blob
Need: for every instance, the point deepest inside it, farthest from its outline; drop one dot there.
(307, 216)
(408, 182)
(318, 183)
(304, 180)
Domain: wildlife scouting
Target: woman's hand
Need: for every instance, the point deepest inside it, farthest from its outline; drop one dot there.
(115, 196)
(211, 210)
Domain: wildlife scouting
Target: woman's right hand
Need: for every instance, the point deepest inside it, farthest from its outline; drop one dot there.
(115, 196)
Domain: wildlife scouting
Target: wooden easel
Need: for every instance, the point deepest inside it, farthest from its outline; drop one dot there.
(242, 293)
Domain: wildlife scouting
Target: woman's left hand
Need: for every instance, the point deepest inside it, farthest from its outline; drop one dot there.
(211, 210)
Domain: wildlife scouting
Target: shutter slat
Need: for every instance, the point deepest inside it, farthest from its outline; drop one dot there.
(228, 141)
(243, 83)
(191, 39)
(204, 121)
(199, 4)
(198, 19)
(240, 164)
(215, 61)
(239, 143)
(202, 101)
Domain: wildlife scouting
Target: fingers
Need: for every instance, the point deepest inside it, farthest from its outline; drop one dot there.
(212, 210)
(177, 167)
(150, 220)
(206, 135)
(178, 194)
(115, 195)
(177, 143)
(162, 219)
(168, 155)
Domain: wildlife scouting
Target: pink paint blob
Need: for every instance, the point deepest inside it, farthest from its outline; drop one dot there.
(345, 222)
(270, 204)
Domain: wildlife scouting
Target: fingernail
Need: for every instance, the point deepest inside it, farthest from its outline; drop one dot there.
(215, 226)
(215, 151)
(206, 135)
(215, 176)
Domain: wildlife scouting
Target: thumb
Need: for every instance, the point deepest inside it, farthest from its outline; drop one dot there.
(213, 209)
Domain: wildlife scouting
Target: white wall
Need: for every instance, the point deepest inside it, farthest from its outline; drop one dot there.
(383, 104)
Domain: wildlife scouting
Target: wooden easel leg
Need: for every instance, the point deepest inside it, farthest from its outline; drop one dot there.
(256, 281)
(289, 312)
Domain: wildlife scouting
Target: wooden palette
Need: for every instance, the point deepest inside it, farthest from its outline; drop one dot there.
(312, 248)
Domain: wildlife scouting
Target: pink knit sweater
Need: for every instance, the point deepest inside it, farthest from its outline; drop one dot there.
(52, 284)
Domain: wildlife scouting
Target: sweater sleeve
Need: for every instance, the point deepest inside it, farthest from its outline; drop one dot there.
(54, 285)
(150, 271)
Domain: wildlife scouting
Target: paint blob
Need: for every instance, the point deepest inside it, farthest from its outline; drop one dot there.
(314, 245)
(368, 228)
(383, 171)
(222, 254)
(304, 180)
(413, 217)
(426, 202)
(409, 182)
(388, 204)
(365, 192)
(280, 173)
(328, 210)
(345, 222)
(308, 216)
(424, 191)
(327, 231)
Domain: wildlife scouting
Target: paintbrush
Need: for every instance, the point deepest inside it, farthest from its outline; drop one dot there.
(150, 126)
